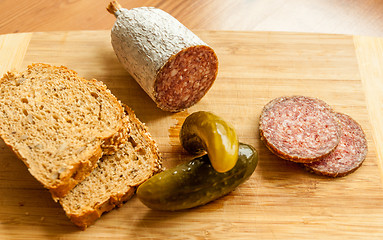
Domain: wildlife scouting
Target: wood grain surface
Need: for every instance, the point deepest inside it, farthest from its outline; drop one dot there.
(356, 17)
(280, 200)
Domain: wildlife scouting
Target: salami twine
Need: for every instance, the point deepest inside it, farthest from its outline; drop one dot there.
(307, 130)
(348, 155)
(172, 65)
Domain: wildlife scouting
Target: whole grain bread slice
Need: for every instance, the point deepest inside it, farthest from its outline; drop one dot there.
(116, 177)
(56, 122)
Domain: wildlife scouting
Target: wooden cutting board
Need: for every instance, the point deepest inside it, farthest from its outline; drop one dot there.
(281, 200)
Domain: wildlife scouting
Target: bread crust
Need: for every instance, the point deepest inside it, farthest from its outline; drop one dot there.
(91, 215)
(78, 173)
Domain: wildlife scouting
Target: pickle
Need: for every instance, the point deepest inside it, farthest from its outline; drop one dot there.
(203, 131)
(196, 183)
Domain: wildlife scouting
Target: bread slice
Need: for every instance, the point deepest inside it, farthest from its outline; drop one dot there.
(116, 177)
(56, 122)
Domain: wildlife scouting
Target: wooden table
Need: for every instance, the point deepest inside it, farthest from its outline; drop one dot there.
(281, 200)
(356, 17)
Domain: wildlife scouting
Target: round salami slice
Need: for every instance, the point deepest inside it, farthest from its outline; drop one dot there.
(348, 155)
(298, 128)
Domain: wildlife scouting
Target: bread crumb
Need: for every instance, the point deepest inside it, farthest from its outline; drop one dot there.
(26, 213)
(42, 219)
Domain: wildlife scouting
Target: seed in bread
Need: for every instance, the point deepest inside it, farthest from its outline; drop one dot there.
(56, 122)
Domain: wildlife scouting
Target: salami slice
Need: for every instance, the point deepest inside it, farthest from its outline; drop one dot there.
(298, 128)
(348, 155)
(172, 64)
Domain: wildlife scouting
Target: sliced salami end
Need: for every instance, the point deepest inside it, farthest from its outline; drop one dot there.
(172, 64)
(298, 128)
(348, 155)
(185, 78)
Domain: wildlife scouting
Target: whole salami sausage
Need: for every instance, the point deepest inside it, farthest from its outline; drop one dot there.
(298, 128)
(172, 65)
(348, 155)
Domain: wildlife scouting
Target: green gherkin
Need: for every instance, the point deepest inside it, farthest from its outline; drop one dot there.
(196, 182)
(204, 131)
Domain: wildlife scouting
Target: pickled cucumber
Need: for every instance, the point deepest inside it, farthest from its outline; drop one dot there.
(196, 183)
(203, 131)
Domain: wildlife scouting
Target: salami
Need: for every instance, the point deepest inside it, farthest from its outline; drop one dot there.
(172, 65)
(298, 128)
(348, 155)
